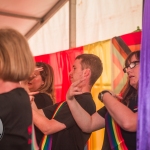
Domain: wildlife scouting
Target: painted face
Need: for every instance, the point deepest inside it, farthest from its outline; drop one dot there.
(76, 72)
(36, 82)
(133, 74)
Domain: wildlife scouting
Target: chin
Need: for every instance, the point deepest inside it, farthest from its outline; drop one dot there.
(134, 85)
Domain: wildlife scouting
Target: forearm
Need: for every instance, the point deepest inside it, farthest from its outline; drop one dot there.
(45, 125)
(82, 118)
(120, 113)
(86, 122)
(40, 120)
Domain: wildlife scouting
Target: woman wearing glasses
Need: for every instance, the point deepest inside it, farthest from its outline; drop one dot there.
(119, 117)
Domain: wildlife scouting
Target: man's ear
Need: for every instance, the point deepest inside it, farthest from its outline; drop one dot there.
(86, 73)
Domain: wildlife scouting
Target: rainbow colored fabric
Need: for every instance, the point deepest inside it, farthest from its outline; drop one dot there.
(34, 145)
(46, 143)
(114, 134)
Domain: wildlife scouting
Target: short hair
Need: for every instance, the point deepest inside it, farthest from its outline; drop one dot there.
(47, 75)
(16, 59)
(92, 62)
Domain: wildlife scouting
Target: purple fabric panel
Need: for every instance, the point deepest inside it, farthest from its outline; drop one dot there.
(143, 133)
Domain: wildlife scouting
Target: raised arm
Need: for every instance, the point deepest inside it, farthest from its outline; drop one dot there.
(120, 113)
(44, 124)
(86, 122)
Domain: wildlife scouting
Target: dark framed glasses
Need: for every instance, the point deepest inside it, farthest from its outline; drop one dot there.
(131, 65)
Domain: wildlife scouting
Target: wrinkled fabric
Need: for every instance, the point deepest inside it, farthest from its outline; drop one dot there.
(143, 140)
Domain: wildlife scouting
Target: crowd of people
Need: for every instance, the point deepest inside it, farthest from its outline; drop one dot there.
(68, 124)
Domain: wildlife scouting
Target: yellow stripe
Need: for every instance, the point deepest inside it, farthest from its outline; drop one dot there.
(117, 140)
(44, 140)
(57, 109)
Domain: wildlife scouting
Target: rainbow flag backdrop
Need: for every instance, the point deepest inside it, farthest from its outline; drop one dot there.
(112, 53)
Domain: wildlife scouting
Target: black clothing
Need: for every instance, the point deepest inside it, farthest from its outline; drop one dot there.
(71, 138)
(16, 116)
(129, 137)
(41, 100)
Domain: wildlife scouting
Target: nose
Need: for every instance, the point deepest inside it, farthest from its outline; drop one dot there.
(70, 73)
(128, 69)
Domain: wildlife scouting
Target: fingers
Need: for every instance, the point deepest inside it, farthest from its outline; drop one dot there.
(38, 69)
(31, 99)
(33, 93)
(74, 89)
(119, 97)
(78, 83)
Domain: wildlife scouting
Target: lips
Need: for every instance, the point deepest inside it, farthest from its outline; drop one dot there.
(131, 76)
(70, 78)
(29, 83)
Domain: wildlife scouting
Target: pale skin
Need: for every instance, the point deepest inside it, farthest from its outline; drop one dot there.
(7, 86)
(52, 126)
(35, 80)
(125, 118)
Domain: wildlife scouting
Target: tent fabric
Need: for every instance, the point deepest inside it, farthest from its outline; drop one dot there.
(143, 140)
(25, 15)
(96, 20)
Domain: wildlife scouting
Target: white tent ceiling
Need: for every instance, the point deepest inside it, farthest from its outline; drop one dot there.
(47, 24)
(27, 16)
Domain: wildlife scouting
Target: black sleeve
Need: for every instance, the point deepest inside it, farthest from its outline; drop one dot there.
(86, 102)
(65, 116)
(49, 110)
(42, 100)
(102, 112)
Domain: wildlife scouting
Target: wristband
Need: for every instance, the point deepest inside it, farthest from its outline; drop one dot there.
(101, 94)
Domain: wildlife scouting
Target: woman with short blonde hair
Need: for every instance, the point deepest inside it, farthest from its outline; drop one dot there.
(16, 64)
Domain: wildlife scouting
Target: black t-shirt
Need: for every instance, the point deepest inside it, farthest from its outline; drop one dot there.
(41, 100)
(16, 116)
(129, 137)
(71, 138)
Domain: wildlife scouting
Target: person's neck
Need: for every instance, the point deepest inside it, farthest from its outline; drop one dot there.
(86, 89)
(6, 86)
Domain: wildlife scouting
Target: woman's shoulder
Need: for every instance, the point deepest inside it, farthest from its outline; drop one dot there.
(42, 100)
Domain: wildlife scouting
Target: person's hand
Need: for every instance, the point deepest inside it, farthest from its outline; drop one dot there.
(35, 73)
(117, 96)
(33, 93)
(31, 96)
(74, 89)
(31, 99)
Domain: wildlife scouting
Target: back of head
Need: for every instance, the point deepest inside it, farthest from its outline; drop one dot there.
(16, 60)
(47, 75)
(92, 62)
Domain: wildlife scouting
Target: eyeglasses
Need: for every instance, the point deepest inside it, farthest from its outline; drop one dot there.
(131, 65)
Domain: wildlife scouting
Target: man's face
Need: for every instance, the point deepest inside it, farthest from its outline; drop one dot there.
(76, 73)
